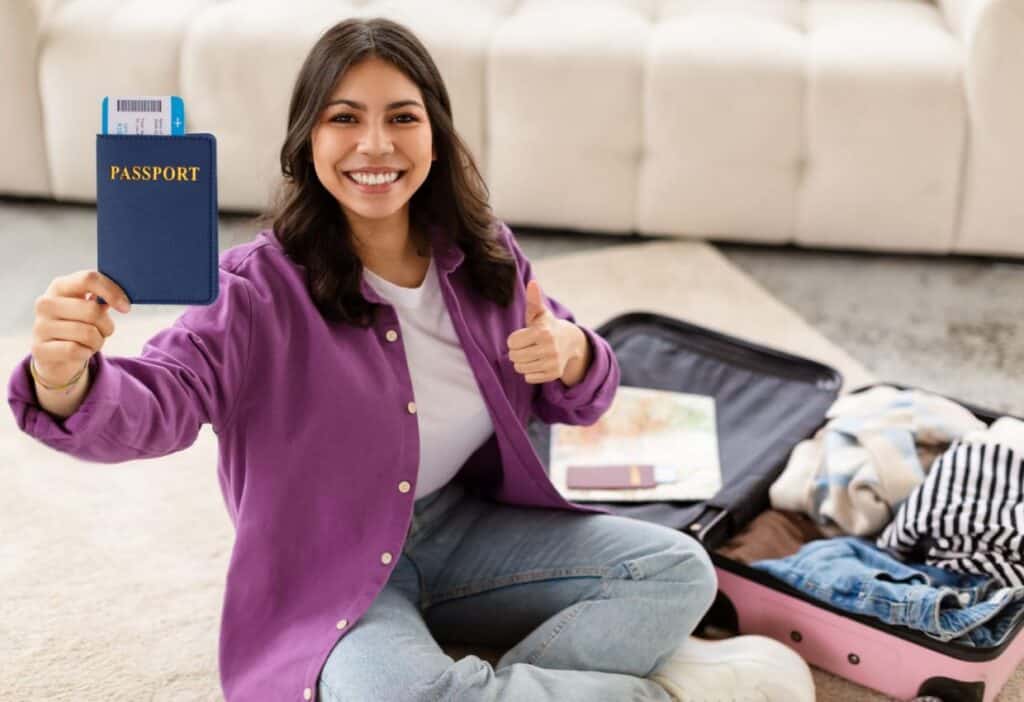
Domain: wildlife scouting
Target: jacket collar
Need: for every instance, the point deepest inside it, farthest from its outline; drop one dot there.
(447, 253)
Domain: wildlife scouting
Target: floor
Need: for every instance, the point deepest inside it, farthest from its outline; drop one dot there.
(953, 325)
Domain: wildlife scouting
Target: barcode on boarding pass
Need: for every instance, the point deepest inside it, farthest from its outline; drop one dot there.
(139, 105)
(157, 114)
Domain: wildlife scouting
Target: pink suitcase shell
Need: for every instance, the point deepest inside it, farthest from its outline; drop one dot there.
(861, 652)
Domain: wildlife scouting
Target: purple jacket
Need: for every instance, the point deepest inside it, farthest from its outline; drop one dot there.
(317, 440)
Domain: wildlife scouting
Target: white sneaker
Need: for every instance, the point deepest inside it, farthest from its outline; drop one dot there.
(740, 669)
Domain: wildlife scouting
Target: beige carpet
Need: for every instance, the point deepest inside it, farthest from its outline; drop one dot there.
(112, 575)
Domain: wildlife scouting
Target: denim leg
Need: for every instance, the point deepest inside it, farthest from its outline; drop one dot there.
(588, 604)
(389, 654)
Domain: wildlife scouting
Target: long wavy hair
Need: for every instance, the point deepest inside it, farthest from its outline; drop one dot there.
(308, 220)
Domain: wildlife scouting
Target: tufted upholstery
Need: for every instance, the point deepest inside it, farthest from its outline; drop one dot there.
(879, 124)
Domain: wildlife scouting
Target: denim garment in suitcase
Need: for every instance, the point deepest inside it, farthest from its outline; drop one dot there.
(766, 402)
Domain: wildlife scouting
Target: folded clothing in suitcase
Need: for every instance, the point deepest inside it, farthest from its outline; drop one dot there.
(768, 401)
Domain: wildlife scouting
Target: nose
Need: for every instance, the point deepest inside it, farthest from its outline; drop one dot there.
(375, 141)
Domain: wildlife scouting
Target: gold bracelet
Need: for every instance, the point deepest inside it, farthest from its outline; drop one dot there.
(35, 376)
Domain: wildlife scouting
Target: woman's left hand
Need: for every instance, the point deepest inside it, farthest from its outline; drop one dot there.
(547, 344)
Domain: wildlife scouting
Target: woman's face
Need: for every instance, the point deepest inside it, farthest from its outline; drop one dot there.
(360, 128)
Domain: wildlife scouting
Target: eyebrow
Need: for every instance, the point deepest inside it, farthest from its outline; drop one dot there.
(361, 106)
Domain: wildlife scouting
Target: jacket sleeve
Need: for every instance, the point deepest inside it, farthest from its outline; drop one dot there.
(153, 404)
(585, 402)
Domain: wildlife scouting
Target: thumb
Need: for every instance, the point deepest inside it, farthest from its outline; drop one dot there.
(534, 301)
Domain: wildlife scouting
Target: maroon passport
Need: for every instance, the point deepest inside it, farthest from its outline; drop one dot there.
(610, 477)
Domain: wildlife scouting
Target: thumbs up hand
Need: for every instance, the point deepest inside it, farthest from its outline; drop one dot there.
(546, 345)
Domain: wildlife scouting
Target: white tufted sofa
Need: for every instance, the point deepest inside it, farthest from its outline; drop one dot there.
(877, 124)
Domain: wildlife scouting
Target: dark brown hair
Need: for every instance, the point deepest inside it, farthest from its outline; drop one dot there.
(309, 221)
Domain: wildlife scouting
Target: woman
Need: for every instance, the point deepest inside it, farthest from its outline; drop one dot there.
(369, 368)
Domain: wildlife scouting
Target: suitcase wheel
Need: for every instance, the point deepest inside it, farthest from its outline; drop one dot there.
(947, 690)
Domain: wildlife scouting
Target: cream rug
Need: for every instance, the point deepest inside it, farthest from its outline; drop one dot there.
(112, 574)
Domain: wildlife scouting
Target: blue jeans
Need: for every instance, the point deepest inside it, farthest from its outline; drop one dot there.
(854, 575)
(587, 605)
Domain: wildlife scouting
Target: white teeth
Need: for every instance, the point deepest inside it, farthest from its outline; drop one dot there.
(375, 179)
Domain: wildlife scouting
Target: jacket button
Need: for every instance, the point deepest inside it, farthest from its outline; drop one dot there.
(307, 694)
(385, 558)
(342, 624)
(404, 486)
(411, 407)
(391, 335)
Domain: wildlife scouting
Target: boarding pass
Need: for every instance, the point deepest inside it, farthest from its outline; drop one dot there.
(157, 115)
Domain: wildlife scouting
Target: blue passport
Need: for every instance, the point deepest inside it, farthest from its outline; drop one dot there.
(156, 216)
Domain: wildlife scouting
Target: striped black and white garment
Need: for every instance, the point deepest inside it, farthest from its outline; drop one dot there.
(967, 515)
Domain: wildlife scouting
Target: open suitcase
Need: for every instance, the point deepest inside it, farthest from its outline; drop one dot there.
(767, 401)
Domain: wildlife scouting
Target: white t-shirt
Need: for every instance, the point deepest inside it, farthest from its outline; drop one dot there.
(451, 415)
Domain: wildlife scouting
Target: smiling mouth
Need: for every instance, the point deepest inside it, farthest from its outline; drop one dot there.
(348, 175)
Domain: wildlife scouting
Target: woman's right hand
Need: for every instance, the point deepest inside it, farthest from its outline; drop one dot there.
(71, 324)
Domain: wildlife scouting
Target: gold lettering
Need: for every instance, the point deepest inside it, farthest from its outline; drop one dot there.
(170, 173)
